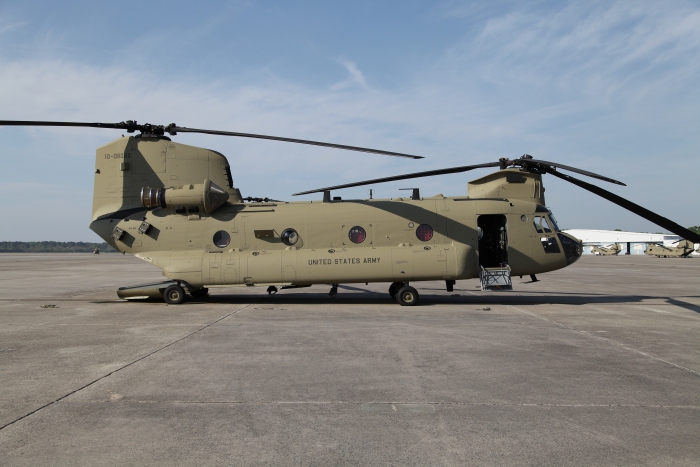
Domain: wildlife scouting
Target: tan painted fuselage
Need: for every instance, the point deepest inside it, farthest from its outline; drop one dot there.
(181, 240)
(611, 250)
(683, 249)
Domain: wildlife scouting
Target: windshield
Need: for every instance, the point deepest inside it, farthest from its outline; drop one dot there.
(541, 225)
(553, 222)
(545, 225)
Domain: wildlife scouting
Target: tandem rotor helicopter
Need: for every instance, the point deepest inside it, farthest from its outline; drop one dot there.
(175, 206)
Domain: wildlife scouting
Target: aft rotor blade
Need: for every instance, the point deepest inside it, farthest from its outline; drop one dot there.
(292, 140)
(630, 206)
(78, 124)
(173, 129)
(574, 169)
(428, 173)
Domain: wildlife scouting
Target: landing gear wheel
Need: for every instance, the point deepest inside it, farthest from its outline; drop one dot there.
(200, 293)
(407, 296)
(394, 289)
(174, 295)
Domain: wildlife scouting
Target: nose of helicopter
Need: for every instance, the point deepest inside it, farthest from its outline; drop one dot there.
(572, 247)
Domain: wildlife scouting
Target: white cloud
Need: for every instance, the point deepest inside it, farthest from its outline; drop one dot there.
(356, 76)
(6, 28)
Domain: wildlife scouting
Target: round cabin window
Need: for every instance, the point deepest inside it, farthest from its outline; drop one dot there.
(357, 234)
(424, 232)
(222, 239)
(290, 237)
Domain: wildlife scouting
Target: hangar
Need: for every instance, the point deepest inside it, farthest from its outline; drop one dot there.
(633, 243)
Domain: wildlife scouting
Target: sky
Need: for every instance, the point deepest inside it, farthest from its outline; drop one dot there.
(609, 87)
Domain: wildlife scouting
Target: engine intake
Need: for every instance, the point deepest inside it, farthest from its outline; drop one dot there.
(208, 196)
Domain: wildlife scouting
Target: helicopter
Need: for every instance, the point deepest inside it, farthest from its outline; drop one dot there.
(175, 206)
(679, 249)
(610, 250)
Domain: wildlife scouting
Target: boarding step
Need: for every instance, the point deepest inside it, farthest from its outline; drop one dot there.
(495, 278)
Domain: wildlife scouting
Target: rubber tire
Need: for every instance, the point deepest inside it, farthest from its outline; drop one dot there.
(202, 293)
(174, 295)
(407, 296)
(394, 289)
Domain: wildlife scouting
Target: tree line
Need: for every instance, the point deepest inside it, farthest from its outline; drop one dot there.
(55, 247)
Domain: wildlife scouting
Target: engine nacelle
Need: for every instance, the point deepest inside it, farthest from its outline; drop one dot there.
(208, 196)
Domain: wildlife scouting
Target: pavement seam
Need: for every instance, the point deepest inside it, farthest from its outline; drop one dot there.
(125, 366)
(588, 334)
(445, 404)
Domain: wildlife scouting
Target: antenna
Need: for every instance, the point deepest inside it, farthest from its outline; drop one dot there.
(415, 194)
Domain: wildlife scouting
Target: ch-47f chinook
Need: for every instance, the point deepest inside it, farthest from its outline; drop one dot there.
(680, 249)
(610, 250)
(175, 206)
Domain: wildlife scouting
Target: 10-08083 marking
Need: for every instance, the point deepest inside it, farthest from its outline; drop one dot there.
(118, 155)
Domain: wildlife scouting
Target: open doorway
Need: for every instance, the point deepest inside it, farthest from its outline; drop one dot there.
(493, 240)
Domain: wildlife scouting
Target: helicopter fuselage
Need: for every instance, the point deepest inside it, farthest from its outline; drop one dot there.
(175, 206)
(344, 241)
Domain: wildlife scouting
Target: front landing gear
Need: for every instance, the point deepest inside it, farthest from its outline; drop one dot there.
(407, 296)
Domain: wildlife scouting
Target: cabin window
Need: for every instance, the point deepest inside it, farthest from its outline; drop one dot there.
(222, 239)
(357, 234)
(289, 237)
(424, 232)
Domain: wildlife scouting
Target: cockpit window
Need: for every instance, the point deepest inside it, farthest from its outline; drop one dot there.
(544, 225)
(550, 245)
(553, 222)
(541, 225)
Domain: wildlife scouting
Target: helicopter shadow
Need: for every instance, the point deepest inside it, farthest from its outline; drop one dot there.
(456, 299)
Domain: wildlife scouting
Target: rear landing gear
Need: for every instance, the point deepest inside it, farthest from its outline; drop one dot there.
(407, 296)
(174, 295)
(394, 289)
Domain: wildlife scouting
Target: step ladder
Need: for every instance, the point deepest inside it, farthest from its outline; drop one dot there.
(495, 278)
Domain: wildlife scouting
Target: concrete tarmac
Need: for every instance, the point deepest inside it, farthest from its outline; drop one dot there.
(596, 364)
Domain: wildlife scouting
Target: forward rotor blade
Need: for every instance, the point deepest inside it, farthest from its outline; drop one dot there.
(177, 129)
(428, 173)
(574, 169)
(630, 206)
